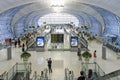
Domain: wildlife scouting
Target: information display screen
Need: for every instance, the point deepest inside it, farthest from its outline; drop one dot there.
(57, 38)
(40, 41)
(74, 41)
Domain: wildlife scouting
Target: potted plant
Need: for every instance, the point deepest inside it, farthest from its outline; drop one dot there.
(25, 56)
(86, 55)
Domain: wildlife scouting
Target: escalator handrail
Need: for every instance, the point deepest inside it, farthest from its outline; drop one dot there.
(110, 75)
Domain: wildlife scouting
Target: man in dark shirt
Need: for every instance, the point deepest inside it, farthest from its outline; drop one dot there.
(82, 77)
(49, 65)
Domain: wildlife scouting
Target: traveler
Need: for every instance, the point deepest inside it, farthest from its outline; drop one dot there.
(15, 43)
(94, 55)
(90, 75)
(23, 47)
(82, 77)
(49, 65)
(19, 42)
(79, 54)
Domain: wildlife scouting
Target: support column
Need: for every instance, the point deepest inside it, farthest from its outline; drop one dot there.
(9, 53)
(104, 52)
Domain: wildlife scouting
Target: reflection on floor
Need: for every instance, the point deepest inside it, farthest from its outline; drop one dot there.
(61, 60)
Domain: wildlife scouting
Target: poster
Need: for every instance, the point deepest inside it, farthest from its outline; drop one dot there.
(74, 41)
(40, 41)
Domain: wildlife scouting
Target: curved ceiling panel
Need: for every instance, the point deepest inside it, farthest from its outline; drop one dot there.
(66, 9)
(76, 7)
(19, 27)
(5, 22)
(111, 21)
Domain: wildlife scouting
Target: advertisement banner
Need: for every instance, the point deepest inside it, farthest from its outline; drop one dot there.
(40, 41)
(74, 41)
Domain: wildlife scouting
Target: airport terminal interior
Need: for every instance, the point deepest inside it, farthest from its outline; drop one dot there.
(57, 39)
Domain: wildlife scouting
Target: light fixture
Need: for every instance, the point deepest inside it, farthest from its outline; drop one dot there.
(57, 5)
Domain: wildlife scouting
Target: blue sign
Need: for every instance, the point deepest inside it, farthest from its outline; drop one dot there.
(40, 41)
(74, 41)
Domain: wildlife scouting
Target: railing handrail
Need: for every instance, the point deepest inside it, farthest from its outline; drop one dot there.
(30, 42)
(84, 42)
(43, 75)
(69, 75)
(110, 75)
(96, 67)
(14, 70)
(100, 68)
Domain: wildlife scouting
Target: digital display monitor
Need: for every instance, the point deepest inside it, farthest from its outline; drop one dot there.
(40, 41)
(74, 41)
(57, 38)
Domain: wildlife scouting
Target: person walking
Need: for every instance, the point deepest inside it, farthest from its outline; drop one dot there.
(94, 55)
(81, 77)
(90, 75)
(15, 43)
(79, 54)
(19, 42)
(23, 47)
(49, 65)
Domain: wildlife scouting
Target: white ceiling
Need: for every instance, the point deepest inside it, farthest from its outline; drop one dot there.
(111, 5)
(74, 7)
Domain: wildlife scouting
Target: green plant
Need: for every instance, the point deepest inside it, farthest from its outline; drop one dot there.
(25, 55)
(23, 38)
(90, 38)
(86, 54)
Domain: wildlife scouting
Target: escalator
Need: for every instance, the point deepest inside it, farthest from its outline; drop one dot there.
(98, 73)
(20, 76)
(82, 41)
(17, 72)
(110, 76)
(31, 45)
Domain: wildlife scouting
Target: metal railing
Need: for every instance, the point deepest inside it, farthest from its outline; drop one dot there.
(18, 67)
(69, 75)
(97, 71)
(30, 42)
(43, 76)
(111, 76)
(84, 41)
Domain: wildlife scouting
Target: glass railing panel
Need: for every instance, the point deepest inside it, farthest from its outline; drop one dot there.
(30, 42)
(21, 67)
(111, 76)
(10, 73)
(69, 75)
(42, 76)
(97, 71)
(18, 67)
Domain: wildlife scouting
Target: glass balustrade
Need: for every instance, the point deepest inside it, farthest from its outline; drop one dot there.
(95, 68)
(17, 68)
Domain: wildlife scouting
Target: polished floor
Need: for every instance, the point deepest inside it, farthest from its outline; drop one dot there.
(61, 60)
